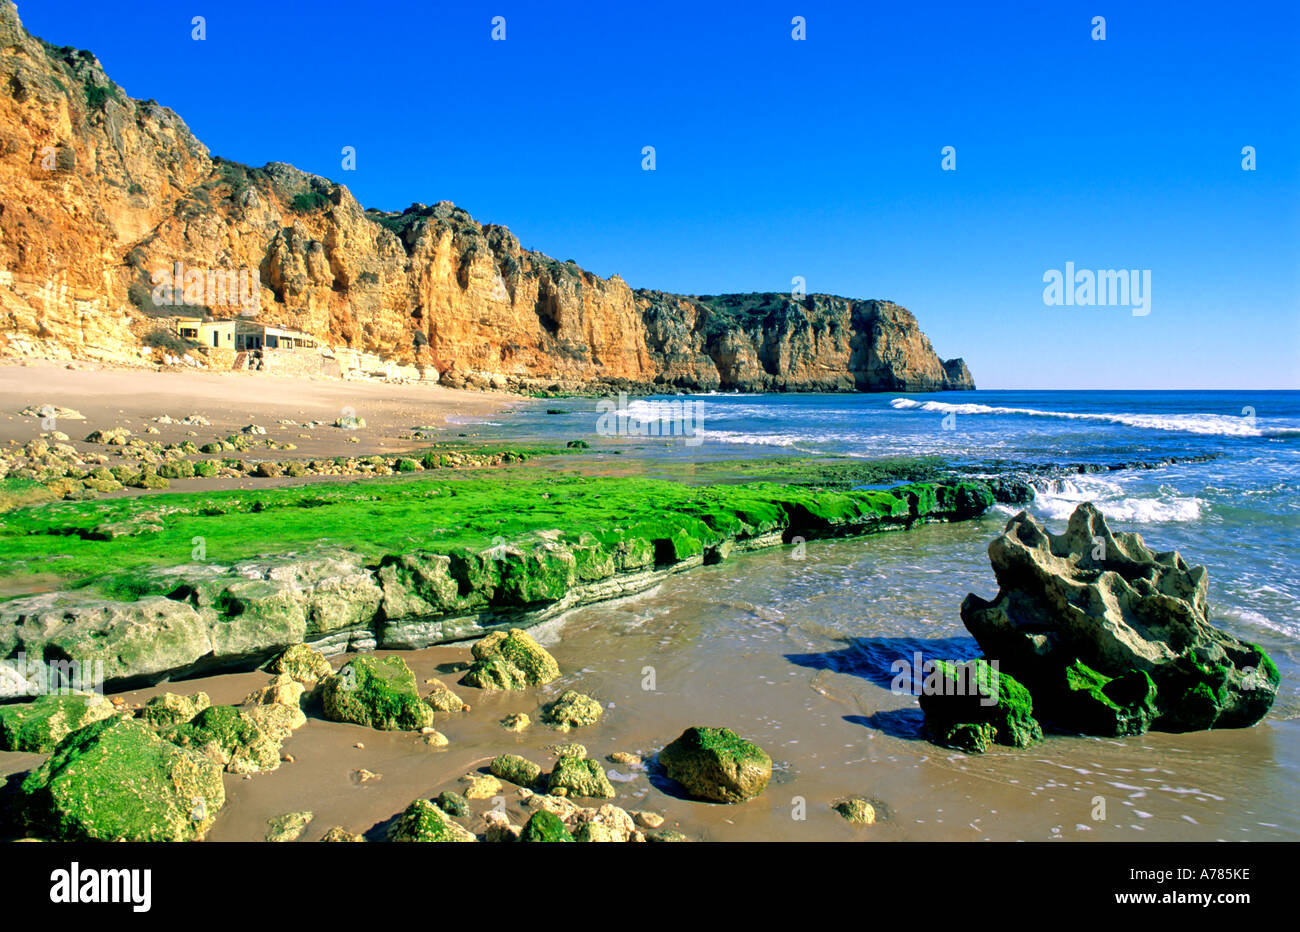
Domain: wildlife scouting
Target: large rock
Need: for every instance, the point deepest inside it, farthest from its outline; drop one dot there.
(969, 705)
(423, 821)
(380, 693)
(39, 725)
(232, 738)
(717, 764)
(510, 660)
(117, 780)
(1086, 618)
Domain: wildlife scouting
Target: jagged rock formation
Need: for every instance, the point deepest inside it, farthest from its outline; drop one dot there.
(1112, 637)
(103, 192)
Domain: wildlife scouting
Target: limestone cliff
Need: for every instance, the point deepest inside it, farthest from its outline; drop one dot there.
(102, 193)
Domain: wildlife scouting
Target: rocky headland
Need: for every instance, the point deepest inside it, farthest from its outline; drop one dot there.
(104, 192)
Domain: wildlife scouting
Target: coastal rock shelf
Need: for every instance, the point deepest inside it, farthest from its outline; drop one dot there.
(481, 554)
(1109, 637)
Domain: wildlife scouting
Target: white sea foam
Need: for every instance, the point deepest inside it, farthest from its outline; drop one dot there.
(1222, 425)
(1057, 499)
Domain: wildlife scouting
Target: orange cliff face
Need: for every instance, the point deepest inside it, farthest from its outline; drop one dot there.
(104, 195)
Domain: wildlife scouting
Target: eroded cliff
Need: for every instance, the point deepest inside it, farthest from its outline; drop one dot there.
(101, 193)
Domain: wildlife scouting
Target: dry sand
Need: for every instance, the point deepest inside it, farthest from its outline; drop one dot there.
(133, 398)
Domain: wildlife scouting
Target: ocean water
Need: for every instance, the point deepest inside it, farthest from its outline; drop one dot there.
(1237, 512)
(796, 653)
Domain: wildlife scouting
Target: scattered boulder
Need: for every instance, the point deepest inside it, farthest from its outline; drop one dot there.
(481, 786)
(517, 770)
(857, 810)
(452, 803)
(288, 826)
(170, 709)
(231, 738)
(518, 721)
(339, 834)
(544, 826)
(571, 710)
(423, 821)
(498, 827)
(1083, 618)
(442, 699)
(717, 764)
(38, 726)
(380, 693)
(350, 422)
(609, 823)
(578, 776)
(510, 660)
(303, 664)
(117, 780)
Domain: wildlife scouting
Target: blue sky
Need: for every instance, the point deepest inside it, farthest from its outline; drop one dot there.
(819, 158)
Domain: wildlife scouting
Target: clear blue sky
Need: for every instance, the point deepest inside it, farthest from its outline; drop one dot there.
(819, 158)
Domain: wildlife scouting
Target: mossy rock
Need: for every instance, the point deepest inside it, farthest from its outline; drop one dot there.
(38, 726)
(544, 826)
(288, 826)
(1095, 704)
(971, 737)
(572, 710)
(452, 803)
(717, 764)
(510, 660)
(442, 699)
(380, 693)
(423, 821)
(302, 664)
(518, 770)
(578, 776)
(975, 693)
(856, 810)
(171, 709)
(230, 737)
(117, 780)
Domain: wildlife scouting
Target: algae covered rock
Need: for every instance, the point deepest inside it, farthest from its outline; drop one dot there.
(1081, 615)
(230, 737)
(857, 810)
(339, 834)
(544, 826)
(423, 821)
(39, 725)
(578, 776)
(977, 693)
(380, 693)
(717, 764)
(571, 710)
(288, 827)
(117, 780)
(452, 803)
(170, 709)
(515, 769)
(480, 785)
(510, 660)
(442, 699)
(303, 664)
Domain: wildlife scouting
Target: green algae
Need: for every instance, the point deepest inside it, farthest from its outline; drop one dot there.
(117, 780)
(717, 764)
(543, 826)
(517, 770)
(39, 725)
(422, 821)
(579, 776)
(627, 521)
(379, 693)
(976, 693)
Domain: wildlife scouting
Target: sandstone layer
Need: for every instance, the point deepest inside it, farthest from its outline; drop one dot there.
(102, 193)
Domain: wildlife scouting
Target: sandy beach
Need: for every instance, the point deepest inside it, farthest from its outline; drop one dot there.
(134, 398)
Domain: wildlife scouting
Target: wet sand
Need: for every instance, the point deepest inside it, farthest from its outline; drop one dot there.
(793, 654)
(132, 398)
